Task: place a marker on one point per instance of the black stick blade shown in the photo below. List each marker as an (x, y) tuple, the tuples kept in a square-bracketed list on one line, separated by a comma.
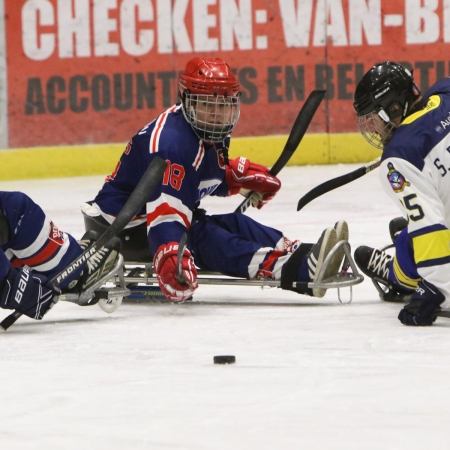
[(334, 183)]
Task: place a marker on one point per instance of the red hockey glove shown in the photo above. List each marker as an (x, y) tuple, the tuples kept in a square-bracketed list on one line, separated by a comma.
[(244, 176), (165, 263)]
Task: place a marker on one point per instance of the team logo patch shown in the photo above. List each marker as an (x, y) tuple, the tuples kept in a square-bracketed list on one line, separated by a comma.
[(56, 235), (396, 179)]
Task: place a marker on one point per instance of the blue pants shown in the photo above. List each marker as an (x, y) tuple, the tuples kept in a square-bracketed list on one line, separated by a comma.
[(227, 243), (403, 270)]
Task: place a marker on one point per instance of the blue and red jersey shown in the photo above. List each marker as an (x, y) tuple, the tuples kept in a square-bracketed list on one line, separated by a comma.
[(195, 169)]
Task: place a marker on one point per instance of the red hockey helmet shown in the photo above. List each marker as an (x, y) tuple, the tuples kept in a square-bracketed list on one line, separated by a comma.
[(209, 93)]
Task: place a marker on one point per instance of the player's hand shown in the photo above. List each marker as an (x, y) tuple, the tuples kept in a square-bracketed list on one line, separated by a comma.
[(28, 292), (258, 199), (166, 266), (421, 310), (243, 175)]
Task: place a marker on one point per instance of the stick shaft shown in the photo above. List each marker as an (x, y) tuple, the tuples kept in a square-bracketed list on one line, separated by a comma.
[(298, 130), (334, 183)]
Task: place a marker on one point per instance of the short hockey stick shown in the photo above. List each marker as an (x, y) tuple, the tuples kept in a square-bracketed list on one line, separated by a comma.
[(337, 182), (142, 191), (181, 247), (299, 128)]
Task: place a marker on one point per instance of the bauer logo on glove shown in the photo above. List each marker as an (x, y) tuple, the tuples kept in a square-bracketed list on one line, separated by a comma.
[(243, 176), (166, 268)]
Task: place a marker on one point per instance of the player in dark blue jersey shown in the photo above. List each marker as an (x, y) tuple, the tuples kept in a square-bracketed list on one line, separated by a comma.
[(193, 136), (414, 133), (32, 251)]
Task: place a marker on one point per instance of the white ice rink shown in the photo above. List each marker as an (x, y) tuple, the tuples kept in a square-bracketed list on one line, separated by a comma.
[(309, 373)]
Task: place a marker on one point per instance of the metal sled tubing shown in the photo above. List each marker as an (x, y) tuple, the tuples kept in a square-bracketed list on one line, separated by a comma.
[(214, 278)]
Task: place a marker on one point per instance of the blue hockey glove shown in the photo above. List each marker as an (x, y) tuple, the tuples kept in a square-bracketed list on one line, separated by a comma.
[(425, 302), (28, 292)]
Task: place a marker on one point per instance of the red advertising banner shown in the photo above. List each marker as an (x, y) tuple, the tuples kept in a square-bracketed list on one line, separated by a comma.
[(92, 71)]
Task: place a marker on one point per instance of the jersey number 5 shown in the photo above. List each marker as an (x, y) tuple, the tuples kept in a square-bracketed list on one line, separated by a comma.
[(410, 206), (173, 175)]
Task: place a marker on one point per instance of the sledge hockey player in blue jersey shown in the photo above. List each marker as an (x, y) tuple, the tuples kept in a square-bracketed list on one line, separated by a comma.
[(33, 250), (414, 133), (193, 137)]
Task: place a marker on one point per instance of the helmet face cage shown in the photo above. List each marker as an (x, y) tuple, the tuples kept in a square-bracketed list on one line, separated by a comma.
[(375, 130), (212, 117)]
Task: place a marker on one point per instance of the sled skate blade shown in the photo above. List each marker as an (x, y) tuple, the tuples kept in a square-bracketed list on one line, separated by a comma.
[(344, 278)]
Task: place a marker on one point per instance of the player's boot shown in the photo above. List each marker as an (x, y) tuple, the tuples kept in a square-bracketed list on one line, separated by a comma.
[(99, 267), (376, 264), (342, 234), (317, 256), (307, 262)]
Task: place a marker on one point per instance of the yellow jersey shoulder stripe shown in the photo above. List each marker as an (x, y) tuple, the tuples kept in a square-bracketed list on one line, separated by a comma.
[(433, 102), (432, 248)]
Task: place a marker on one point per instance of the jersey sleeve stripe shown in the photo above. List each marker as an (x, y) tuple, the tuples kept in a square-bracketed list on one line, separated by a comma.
[(48, 258), (47, 252), (402, 278), (167, 208), (37, 244), (432, 247), (199, 158), (434, 262), (427, 230), (157, 130), (165, 213)]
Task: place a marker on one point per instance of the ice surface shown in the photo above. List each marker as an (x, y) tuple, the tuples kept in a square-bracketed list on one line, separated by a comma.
[(309, 373)]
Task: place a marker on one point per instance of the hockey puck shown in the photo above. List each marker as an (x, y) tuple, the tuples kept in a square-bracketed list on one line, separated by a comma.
[(224, 359)]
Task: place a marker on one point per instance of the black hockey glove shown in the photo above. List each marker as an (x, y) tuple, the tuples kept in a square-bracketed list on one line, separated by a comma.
[(28, 292), (425, 302)]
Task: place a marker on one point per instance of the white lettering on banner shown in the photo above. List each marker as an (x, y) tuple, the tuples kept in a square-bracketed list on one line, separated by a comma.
[(103, 25), (329, 22), (236, 22), (422, 21), (171, 26), (202, 23), (37, 47), (135, 42), (446, 18), (296, 24), (365, 16), (73, 28), (82, 28)]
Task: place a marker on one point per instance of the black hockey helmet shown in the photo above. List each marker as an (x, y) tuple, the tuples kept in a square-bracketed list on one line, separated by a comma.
[(387, 87)]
